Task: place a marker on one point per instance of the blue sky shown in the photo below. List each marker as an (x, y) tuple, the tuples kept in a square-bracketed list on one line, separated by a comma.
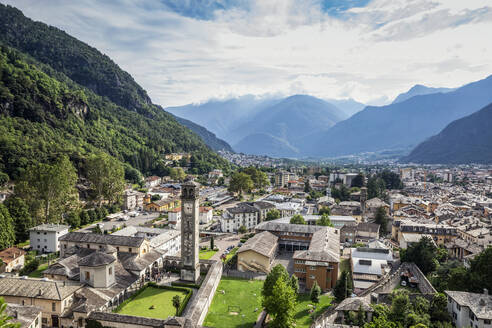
[(185, 51)]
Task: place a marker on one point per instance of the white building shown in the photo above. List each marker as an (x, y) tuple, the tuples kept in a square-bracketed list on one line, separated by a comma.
[(206, 214), (174, 218), (44, 238), (132, 200), (241, 215), (470, 309), (166, 241)]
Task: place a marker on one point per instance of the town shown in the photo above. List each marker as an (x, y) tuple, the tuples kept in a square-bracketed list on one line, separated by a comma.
[(330, 242)]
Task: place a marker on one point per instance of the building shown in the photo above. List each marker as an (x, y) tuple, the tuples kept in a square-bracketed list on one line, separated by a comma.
[(190, 235), (440, 233), (133, 245), (319, 263), (45, 237), (283, 177), (369, 265), (152, 181), (53, 298), (257, 253), (25, 315), (362, 232), (166, 241), (373, 205), (133, 200), (174, 217), (243, 214), (206, 214), (470, 309), (12, 259), (163, 205)]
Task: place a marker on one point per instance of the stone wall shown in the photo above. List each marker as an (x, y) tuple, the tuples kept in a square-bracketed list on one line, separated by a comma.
[(198, 308)]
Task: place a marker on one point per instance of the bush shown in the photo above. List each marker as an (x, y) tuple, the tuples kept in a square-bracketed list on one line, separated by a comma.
[(29, 267)]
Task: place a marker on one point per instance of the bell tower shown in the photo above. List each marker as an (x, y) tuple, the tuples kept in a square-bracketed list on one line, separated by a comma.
[(190, 238)]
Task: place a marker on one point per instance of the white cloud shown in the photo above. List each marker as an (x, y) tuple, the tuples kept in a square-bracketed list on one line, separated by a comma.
[(282, 46)]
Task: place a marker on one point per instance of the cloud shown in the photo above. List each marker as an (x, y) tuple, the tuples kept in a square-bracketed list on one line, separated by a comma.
[(185, 51)]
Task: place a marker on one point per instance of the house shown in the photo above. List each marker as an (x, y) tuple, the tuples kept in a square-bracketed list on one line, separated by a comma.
[(257, 253), (25, 315), (372, 206), (126, 244), (243, 214), (470, 309), (369, 265), (174, 217), (12, 258), (407, 239), (45, 237), (53, 298), (167, 241), (163, 205), (362, 232), (440, 233), (206, 214), (133, 200), (152, 181), (319, 263)]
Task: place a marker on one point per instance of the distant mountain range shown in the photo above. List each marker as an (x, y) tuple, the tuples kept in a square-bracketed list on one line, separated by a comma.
[(208, 137), (467, 140), (401, 125), (419, 90), (269, 126)]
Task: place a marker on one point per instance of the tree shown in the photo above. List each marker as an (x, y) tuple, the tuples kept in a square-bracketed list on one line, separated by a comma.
[(73, 219), (361, 317), (422, 253), (49, 190), (391, 179), (307, 186), (324, 210), (400, 307), (294, 283), (297, 219), (106, 177), (155, 197), (343, 287), (240, 182), (212, 242), (315, 292), (280, 305), (275, 274), (4, 179), (5, 319), (177, 174), (382, 219), (242, 229), (272, 214), (97, 229), (84, 218), (438, 308), (358, 181), (133, 175), (259, 178), (176, 303), (342, 193), (376, 187), (19, 212), (324, 221), (7, 233)]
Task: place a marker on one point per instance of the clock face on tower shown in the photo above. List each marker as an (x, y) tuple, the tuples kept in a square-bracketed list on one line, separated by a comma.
[(188, 208)]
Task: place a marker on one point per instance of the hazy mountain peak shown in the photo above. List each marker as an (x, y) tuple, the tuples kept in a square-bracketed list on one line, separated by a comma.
[(419, 90)]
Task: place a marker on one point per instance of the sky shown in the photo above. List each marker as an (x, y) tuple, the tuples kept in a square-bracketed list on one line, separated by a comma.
[(189, 51)]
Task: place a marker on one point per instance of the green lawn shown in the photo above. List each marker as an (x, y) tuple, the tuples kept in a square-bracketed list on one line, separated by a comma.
[(231, 254), (206, 254), (38, 273), (240, 295), (161, 299), (302, 316)]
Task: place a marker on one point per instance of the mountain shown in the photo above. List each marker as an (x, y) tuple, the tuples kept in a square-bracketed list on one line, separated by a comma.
[(223, 117), (264, 143), (274, 124), (347, 106), (398, 126), (208, 137), (464, 141), (419, 90), (59, 95)]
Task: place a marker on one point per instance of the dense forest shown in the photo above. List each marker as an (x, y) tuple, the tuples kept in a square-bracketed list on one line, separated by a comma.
[(61, 96)]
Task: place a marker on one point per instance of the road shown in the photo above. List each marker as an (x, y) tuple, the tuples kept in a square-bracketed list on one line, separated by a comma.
[(136, 221), (222, 245)]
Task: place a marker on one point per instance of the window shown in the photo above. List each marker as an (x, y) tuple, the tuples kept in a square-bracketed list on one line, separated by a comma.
[(458, 307), (80, 322), (53, 306), (65, 246), (117, 248), (312, 277), (39, 239), (88, 246), (312, 268), (44, 320), (110, 271), (130, 250), (23, 302), (87, 275), (486, 321)]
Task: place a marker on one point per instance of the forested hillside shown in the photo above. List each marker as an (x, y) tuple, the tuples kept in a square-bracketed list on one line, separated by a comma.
[(59, 95)]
